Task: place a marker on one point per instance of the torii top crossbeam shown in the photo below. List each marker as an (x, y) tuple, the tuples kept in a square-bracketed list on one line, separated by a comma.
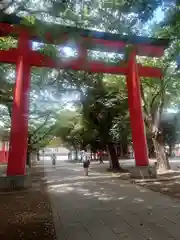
[(94, 40), (99, 40)]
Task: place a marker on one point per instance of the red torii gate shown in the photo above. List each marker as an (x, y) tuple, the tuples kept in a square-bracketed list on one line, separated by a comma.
[(24, 57)]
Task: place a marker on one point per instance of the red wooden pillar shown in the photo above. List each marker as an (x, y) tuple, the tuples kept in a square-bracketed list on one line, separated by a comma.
[(19, 122), (136, 113)]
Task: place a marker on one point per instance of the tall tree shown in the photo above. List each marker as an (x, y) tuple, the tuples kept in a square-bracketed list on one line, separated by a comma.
[(102, 103)]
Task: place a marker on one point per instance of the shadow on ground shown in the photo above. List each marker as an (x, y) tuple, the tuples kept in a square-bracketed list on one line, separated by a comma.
[(102, 206), (167, 183), (97, 186)]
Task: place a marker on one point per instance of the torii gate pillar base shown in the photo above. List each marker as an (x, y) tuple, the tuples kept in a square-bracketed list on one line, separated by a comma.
[(146, 172), (13, 183)]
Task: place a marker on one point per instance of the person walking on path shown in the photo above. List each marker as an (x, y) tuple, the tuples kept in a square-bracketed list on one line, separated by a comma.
[(100, 155), (86, 162), (53, 160)]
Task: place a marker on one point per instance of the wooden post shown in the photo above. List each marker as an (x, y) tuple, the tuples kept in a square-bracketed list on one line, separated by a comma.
[(19, 123), (136, 113)]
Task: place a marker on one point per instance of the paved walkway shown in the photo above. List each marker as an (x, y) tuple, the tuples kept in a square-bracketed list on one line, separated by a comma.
[(104, 207)]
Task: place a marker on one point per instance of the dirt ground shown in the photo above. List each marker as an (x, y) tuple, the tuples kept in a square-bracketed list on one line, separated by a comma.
[(167, 184), (27, 214)]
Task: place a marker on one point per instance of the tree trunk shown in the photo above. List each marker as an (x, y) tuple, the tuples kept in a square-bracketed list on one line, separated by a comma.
[(171, 148), (110, 161), (28, 159), (158, 143), (152, 153), (161, 156), (76, 156), (151, 149), (38, 156), (114, 159), (125, 150), (91, 155), (120, 150)]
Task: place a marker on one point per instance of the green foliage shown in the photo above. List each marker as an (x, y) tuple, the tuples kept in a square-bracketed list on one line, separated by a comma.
[(68, 128), (102, 105), (108, 15), (28, 21), (50, 51), (171, 24), (103, 113), (40, 136), (7, 42)]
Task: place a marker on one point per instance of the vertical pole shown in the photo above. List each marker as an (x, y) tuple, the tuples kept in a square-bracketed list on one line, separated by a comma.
[(136, 113), (83, 54), (3, 146), (19, 121), (3, 152)]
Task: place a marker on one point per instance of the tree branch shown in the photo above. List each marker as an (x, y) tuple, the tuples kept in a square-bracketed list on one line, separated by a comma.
[(43, 136), (41, 126), (9, 107), (41, 11), (160, 91), (144, 100)]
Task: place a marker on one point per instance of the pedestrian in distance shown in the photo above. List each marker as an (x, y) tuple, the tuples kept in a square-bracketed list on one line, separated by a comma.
[(53, 160), (86, 162), (100, 155)]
